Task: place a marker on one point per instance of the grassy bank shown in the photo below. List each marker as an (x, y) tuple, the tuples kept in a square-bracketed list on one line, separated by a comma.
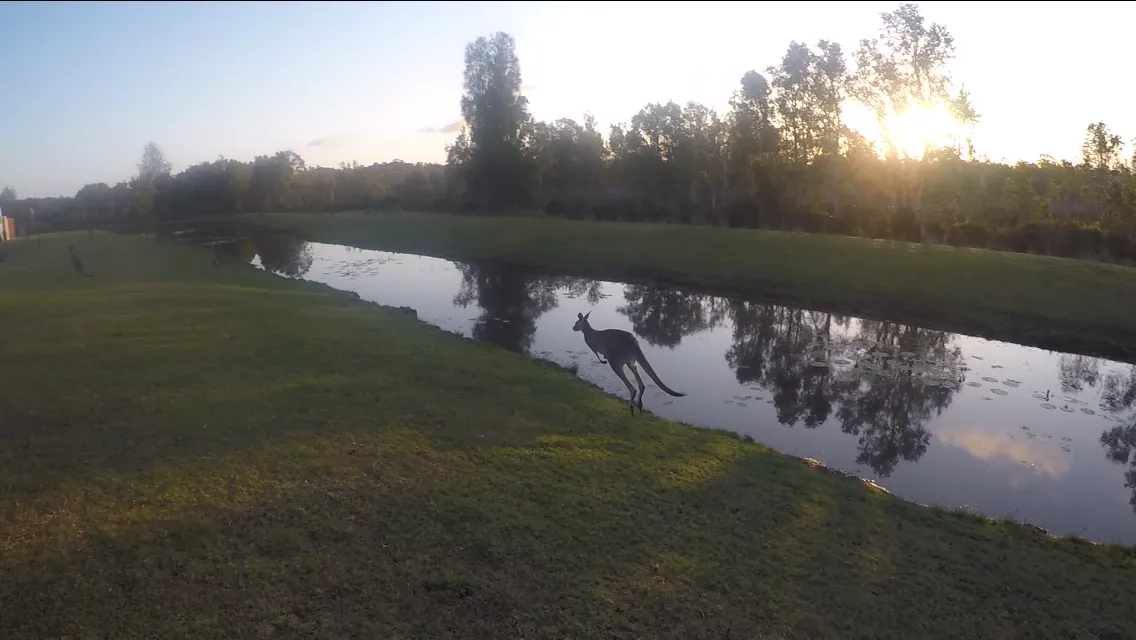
[(1068, 305), (191, 452)]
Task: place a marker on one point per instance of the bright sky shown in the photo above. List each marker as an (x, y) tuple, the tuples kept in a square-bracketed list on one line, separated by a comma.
[(86, 85)]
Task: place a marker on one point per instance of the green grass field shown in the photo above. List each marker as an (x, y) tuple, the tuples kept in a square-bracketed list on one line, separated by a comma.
[(189, 452), (1070, 305)]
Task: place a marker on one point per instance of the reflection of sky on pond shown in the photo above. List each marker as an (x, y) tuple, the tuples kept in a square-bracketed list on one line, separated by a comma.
[(998, 428)]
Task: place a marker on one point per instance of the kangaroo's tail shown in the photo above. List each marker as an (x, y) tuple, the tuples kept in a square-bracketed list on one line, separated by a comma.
[(651, 372)]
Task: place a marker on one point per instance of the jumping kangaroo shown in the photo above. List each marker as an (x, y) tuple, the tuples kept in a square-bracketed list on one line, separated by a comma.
[(621, 348), (77, 264)]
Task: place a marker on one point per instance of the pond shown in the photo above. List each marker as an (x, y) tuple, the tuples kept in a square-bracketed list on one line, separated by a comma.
[(940, 418)]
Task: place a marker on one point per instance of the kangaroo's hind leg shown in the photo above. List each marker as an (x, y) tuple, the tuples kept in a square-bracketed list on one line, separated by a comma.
[(622, 376), (642, 387)]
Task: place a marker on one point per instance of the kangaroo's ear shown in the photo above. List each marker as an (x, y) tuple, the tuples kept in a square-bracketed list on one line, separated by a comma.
[(580, 316), (587, 314)]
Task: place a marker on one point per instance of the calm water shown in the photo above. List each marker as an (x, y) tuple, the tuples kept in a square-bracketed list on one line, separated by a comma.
[(1006, 430)]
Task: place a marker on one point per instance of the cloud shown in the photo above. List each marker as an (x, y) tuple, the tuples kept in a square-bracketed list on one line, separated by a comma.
[(328, 142), (530, 88), (453, 127), (1040, 457)]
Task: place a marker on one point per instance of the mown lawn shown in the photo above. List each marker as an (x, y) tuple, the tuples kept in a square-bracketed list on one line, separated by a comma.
[(189, 452), (1070, 305)]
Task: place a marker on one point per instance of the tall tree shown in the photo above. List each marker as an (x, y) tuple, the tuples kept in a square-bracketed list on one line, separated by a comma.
[(752, 137), (1111, 194), (459, 159), (703, 141), (271, 180), (905, 69), (153, 163), (151, 169), (7, 195), (829, 87), (795, 84), (656, 165), (498, 119), (570, 157), (1101, 148)]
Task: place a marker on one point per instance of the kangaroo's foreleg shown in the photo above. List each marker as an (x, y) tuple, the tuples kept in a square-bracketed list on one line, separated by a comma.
[(602, 361), (619, 372), (642, 387)]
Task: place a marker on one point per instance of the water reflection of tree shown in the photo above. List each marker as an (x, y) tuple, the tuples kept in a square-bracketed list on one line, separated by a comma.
[(885, 382), (511, 301), (772, 347), (1119, 390), (240, 249), (663, 317), (888, 400), (1120, 447), (590, 290), (1077, 372), (283, 253)]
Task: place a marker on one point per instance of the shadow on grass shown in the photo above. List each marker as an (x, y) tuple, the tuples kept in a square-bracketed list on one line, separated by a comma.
[(687, 538)]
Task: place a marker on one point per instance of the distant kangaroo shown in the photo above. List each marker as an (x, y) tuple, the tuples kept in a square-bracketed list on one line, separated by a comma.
[(621, 348), (77, 264)]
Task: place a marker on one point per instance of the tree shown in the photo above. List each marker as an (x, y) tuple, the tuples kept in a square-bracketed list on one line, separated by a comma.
[(153, 163), (904, 69), (151, 168), (829, 88), (1101, 148), (459, 159), (654, 146), (271, 180), (8, 195), (796, 101), (1019, 195), (568, 156), (498, 119), (703, 149), (752, 138)]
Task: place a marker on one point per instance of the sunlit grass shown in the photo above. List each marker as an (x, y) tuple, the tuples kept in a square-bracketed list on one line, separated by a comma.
[(185, 452)]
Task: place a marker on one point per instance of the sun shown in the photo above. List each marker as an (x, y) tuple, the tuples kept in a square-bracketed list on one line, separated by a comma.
[(921, 129)]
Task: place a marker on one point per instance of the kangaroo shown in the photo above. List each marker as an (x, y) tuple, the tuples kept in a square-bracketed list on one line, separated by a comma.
[(77, 264), (621, 348)]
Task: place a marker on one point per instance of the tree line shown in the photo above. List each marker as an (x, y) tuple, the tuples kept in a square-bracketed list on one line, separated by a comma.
[(280, 182), (782, 157)]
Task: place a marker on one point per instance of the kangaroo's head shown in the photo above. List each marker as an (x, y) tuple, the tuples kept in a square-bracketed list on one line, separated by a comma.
[(581, 321)]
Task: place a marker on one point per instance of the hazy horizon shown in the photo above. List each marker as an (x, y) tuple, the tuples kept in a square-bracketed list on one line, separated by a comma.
[(89, 84)]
